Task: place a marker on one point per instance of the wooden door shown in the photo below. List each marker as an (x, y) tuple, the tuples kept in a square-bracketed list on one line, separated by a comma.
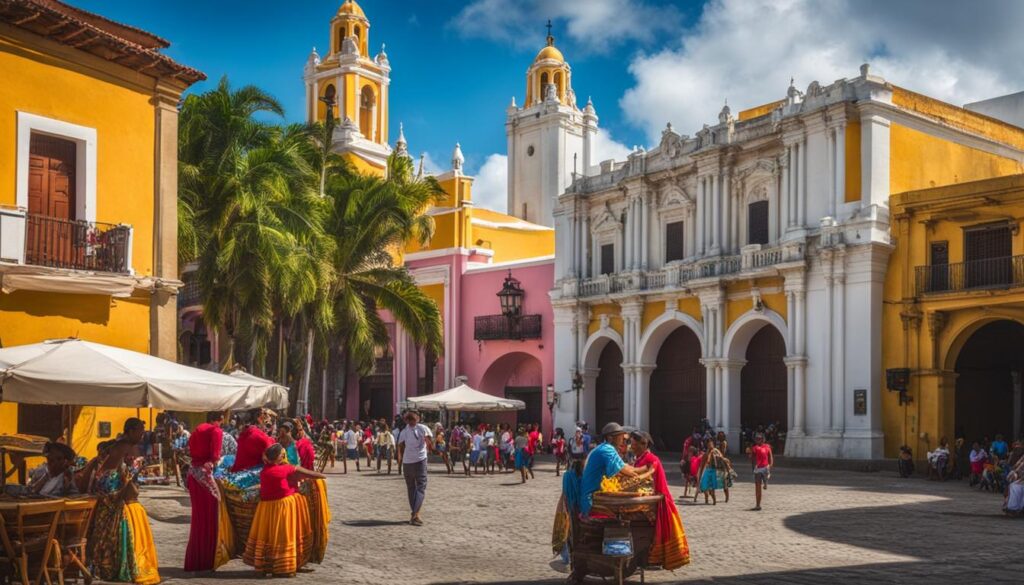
[(531, 395), (763, 381), (51, 201), (678, 390), (610, 388), (987, 255)]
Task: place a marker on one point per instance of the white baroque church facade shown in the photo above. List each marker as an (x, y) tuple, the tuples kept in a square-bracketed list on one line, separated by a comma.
[(736, 275)]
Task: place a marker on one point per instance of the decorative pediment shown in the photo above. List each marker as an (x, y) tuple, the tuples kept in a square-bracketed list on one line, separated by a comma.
[(761, 166), (758, 193), (605, 221), (673, 196)]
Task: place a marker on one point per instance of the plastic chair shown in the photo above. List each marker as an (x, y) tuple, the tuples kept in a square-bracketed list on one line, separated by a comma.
[(72, 534), (34, 535)]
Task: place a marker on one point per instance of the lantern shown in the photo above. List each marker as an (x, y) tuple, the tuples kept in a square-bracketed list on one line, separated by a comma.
[(511, 297)]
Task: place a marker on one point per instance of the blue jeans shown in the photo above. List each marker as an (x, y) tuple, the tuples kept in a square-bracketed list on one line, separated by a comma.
[(415, 483)]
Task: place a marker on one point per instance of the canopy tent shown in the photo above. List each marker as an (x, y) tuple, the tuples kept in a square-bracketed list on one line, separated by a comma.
[(82, 373), (465, 399)]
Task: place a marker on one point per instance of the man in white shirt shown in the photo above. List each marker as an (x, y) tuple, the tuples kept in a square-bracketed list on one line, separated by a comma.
[(53, 478), (351, 439), (413, 443)]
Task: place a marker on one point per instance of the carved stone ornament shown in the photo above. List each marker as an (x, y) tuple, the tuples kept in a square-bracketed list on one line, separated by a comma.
[(605, 221)]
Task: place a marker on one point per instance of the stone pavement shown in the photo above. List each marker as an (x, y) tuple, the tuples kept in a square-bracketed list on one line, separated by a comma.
[(817, 526)]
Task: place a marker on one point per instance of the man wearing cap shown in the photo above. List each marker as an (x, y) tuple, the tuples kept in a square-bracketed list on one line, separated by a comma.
[(605, 461)]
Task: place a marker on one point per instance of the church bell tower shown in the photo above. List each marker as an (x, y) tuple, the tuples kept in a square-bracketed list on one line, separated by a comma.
[(549, 137), (354, 87)]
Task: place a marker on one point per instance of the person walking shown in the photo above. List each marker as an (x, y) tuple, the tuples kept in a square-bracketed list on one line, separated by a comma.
[(762, 458), (414, 441)]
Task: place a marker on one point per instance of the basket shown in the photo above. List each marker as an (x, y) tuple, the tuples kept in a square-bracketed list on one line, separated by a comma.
[(240, 511), (627, 506)]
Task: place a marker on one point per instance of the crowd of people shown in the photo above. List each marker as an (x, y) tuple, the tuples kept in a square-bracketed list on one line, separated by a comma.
[(993, 466)]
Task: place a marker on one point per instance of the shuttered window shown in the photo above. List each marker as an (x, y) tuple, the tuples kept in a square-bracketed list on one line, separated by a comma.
[(757, 222), (674, 241), (987, 251), (607, 258)]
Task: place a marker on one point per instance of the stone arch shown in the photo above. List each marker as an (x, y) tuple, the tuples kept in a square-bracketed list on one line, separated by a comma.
[(743, 330), (368, 112), (661, 328), (672, 378), (591, 360), (958, 338), (518, 375)]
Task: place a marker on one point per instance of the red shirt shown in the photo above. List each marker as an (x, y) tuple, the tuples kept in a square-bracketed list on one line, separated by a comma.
[(204, 444), (531, 444), (559, 445), (307, 454), (274, 483), (252, 444), (761, 454)]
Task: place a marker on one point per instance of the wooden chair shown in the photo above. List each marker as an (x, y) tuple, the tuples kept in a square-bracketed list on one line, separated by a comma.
[(72, 534), (33, 535), (8, 558)]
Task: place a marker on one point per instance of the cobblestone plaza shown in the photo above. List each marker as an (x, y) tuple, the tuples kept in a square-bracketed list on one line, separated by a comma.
[(817, 526)]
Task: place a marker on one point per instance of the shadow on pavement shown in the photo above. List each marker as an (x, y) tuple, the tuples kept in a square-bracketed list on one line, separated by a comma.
[(179, 573), (373, 523)]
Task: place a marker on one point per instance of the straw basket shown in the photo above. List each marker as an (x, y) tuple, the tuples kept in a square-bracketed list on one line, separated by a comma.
[(240, 511)]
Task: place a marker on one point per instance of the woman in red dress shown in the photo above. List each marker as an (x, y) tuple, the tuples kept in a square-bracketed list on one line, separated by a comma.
[(204, 446), (670, 548), (252, 442), (304, 445)]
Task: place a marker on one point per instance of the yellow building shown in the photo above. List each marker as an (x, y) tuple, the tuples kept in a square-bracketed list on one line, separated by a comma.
[(954, 314), (88, 195)]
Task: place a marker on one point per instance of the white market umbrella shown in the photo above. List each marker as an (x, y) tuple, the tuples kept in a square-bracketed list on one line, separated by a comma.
[(82, 373), (466, 399)]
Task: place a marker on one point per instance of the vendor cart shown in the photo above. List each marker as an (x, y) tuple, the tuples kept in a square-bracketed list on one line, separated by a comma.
[(615, 539)]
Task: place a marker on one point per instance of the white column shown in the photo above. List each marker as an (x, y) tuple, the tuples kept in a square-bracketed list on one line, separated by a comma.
[(727, 215), (628, 258), (719, 420), (698, 219), (832, 166), (638, 232), (644, 395), (839, 365), (716, 212), (874, 156), (731, 390), (801, 193), (790, 180), (840, 167), (645, 232), (584, 238), (826, 366), (691, 231)]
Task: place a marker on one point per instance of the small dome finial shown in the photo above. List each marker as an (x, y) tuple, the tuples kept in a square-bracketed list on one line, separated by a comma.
[(457, 158)]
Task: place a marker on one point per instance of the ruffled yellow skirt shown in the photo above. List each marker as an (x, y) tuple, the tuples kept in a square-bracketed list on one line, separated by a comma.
[(319, 516), (225, 536), (281, 538), (144, 548)]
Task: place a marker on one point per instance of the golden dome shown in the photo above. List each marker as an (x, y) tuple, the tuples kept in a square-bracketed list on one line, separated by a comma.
[(550, 52), (350, 7)]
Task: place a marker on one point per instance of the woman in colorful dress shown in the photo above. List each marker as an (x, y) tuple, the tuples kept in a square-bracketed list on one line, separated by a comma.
[(441, 447), (281, 538), (710, 473), (205, 448), (304, 446), (120, 541), (522, 457), (559, 451), (670, 549)]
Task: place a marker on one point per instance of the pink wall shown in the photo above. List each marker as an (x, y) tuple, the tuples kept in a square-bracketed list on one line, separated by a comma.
[(490, 366)]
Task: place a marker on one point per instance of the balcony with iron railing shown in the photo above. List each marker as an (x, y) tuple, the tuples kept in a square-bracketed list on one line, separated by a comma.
[(495, 327), (39, 240), (76, 244), (751, 261), (1005, 272), (189, 295)]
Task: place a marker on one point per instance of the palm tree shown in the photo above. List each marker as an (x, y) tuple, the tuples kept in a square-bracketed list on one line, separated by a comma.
[(371, 219)]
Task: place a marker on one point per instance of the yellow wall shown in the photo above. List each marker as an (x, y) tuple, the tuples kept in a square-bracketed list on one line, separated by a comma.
[(958, 117), (920, 218), (651, 312), (94, 94), (691, 306), (362, 166), (124, 120), (510, 243), (610, 309), (852, 161), (757, 112), (918, 161)]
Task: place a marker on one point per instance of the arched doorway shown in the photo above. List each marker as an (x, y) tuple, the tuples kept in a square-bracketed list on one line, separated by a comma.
[(988, 384), (517, 375), (763, 382), (678, 389), (610, 387)]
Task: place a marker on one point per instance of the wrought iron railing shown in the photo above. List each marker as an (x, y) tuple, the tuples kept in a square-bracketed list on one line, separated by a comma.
[(76, 244), (492, 327), (189, 295), (990, 273)]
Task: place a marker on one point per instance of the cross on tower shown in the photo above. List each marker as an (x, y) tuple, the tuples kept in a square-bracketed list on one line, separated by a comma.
[(551, 39)]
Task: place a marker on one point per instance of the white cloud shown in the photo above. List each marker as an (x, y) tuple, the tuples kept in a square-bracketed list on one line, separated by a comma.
[(606, 147), (747, 50), (490, 187), (595, 25)]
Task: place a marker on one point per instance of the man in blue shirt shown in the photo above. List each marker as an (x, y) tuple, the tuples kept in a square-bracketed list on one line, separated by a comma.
[(605, 461)]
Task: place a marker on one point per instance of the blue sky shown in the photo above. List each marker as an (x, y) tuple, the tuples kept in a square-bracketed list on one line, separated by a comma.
[(448, 83), (456, 64)]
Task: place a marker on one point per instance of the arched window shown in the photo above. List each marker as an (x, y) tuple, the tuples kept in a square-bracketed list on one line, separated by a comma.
[(339, 38), (543, 80), (558, 84), (356, 32), (367, 105), (329, 95)]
